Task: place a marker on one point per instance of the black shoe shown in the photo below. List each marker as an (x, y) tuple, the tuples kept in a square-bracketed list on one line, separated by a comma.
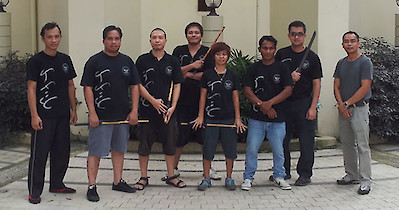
[(123, 187), (302, 181), (271, 178), (92, 194), (364, 189), (34, 199)]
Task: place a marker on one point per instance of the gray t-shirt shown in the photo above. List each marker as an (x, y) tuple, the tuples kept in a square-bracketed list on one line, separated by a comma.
[(351, 73)]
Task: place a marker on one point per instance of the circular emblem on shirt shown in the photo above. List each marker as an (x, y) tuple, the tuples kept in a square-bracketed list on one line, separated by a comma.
[(305, 64), (168, 70), (125, 70), (65, 67), (276, 78), (228, 84)]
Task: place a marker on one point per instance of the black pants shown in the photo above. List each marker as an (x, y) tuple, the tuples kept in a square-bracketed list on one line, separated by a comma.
[(305, 129), (53, 139)]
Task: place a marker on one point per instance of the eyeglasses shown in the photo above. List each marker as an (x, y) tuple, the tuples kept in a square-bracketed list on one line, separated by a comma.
[(347, 41), (299, 34)]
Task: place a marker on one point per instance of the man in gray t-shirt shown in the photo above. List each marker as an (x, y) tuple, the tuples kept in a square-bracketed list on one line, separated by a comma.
[(352, 89)]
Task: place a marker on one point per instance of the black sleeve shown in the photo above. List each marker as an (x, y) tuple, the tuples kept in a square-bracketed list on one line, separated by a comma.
[(236, 81), (134, 76), (177, 74), (286, 76), (32, 69), (72, 72), (88, 73), (317, 71), (204, 79), (139, 67)]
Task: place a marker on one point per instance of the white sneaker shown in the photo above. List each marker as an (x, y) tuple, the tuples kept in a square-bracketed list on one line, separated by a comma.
[(246, 185), (282, 184), (175, 172), (214, 175)]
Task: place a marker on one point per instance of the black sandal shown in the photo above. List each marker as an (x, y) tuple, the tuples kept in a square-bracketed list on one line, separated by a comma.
[(168, 181), (139, 183)]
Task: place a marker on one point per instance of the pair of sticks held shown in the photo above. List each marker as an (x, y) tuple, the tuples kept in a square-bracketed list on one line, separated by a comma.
[(147, 121)]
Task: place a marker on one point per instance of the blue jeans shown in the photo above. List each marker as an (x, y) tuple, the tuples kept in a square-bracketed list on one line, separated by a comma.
[(275, 133)]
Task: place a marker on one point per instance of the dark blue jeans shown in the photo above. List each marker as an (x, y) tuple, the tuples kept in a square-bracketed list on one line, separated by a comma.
[(305, 129)]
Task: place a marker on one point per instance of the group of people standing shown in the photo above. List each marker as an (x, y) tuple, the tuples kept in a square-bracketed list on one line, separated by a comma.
[(190, 96)]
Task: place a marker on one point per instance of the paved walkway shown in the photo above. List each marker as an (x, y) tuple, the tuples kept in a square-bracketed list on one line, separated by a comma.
[(322, 193)]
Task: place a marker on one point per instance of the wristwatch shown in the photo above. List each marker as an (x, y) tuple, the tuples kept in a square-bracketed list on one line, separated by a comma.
[(346, 104)]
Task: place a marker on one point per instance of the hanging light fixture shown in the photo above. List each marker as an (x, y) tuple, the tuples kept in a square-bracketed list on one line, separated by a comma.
[(213, 4)]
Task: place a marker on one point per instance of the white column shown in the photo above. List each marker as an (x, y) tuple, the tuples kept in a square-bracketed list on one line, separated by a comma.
[(5, 33), (332, 23), (212, 26)]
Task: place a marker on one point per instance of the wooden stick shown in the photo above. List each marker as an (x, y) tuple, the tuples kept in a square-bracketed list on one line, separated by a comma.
[(169, 100), (113, 123), (214, 125), (209, 50)]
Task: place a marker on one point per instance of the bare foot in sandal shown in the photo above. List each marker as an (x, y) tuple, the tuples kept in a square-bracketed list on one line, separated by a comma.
[(141, 184), (174, 181)]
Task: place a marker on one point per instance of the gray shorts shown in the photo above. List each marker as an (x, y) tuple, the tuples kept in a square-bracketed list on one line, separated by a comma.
[(104, 138)]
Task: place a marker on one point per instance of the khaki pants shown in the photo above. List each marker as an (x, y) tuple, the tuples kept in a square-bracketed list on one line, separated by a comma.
[(354, 135)]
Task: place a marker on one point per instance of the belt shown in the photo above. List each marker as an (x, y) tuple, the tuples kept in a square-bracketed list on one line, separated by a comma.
[(360, 103)]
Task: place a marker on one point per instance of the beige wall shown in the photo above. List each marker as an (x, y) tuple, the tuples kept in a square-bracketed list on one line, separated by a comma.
[(283, 12), (371, 18), (23, 26), (330, 51)]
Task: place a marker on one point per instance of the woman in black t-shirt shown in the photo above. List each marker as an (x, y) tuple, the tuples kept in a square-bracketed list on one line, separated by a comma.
[(219, 105)]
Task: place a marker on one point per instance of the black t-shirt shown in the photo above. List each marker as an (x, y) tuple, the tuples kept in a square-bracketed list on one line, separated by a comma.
[(266, 82), (110, 77), (219, 99), (311, 70), (190, 90), (156, 77), (52, 74)]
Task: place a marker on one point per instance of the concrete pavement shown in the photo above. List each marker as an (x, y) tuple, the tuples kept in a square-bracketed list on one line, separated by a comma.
[(322, 193)]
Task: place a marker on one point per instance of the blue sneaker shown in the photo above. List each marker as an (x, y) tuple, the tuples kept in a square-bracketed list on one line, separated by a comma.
[(204, 185), (229, 184)]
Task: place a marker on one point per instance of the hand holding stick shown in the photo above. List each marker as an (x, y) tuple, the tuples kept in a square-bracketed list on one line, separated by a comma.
[(305, 55)]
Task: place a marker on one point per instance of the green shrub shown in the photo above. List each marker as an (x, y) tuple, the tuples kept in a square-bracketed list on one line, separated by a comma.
[(14, 112), (239, 63), (384, 104)]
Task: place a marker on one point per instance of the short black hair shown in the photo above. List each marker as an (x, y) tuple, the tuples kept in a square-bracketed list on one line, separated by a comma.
[(158, 29), (111, 28), (350, 32), (267, 38), (297, 23), (49, 26), (194, 24), (220, 46)]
